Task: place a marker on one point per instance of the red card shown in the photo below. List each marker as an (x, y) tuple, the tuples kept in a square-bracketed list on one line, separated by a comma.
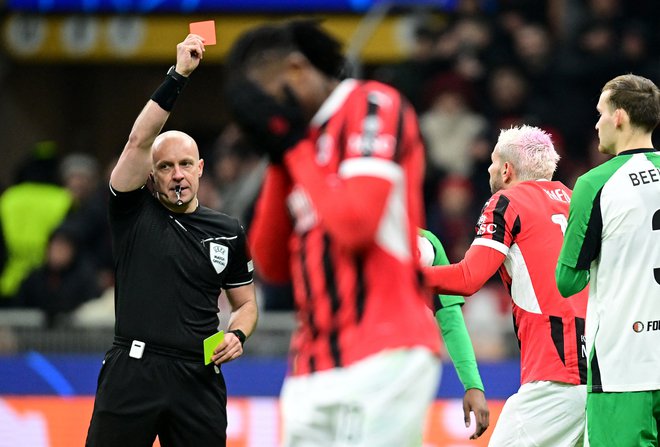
[(205, 29)]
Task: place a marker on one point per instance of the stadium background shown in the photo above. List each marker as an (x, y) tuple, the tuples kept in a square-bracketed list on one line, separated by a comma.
[(75, 73)]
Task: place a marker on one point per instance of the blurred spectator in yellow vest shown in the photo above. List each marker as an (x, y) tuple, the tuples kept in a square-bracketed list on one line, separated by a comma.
[(29, 212)]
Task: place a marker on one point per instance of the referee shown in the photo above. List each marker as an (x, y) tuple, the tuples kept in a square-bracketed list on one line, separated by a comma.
[(172, 258)]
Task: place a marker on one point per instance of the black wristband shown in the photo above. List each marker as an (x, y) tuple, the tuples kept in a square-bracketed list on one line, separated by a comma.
[(240, 335), (166, 94)]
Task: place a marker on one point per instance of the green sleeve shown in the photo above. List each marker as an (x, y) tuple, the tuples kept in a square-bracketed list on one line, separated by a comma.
[(459, 346), (452, 326), (570, 280), (582, 237), (441, 259)]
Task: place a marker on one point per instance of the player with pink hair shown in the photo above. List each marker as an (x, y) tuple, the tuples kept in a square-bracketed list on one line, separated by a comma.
[(520, 233)]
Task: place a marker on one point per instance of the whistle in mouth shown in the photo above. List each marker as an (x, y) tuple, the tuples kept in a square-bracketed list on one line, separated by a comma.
[(177, 191)]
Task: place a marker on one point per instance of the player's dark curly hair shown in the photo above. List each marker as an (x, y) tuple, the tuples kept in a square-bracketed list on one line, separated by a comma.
[(274, 41)]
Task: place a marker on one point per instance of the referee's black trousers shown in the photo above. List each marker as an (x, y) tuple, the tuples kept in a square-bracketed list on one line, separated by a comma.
[(179, 400)]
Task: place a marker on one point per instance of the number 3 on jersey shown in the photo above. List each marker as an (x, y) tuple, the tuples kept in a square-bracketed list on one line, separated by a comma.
[(655, 225)]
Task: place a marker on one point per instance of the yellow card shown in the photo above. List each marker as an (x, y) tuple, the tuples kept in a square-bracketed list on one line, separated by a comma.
[(210, 344)]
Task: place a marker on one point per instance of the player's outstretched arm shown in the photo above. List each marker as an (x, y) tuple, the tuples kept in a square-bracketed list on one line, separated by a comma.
[(134, 164), (469, 275)]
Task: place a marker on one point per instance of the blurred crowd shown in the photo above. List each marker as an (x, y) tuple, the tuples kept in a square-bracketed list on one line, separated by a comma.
[(537, 62)]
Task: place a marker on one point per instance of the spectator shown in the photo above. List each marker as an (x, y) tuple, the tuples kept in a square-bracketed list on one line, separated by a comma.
[(29, 212), (80, 175), (451, 215), (450, 126), (238, 172), (425, 57), (65, 281), (536, 57), (636, 50), (474, 37), (88, 218), (508, 101), (587, 62)]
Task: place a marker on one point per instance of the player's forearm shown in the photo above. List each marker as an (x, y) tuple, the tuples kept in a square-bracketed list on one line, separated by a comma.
[(570, 280), (244, 317), (271, 227), (469, 275), (459, 346), (350, 209)]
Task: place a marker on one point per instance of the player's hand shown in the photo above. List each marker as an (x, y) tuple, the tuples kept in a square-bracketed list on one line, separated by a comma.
[(188, 54), (273, 126), (230, 349), (474, 401)]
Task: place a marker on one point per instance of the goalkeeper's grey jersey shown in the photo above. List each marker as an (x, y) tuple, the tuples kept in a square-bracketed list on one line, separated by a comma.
[(614, 230)]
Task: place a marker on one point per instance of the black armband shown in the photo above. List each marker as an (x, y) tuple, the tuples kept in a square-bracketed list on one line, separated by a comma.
[(166, 94), (240, 335)]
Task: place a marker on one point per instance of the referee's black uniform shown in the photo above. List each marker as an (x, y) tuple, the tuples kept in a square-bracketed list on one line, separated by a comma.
[(170, 268)]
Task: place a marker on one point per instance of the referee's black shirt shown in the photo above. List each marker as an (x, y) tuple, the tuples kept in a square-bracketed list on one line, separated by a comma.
[(170, 267)]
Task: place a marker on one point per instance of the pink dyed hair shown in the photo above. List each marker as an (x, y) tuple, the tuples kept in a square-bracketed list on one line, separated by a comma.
[(530, 150)]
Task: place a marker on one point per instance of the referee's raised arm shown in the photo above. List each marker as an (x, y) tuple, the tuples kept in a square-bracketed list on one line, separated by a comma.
[(134, 164)]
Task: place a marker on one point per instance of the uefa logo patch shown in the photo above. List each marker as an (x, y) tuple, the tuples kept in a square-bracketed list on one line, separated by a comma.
[(638, 326), (219, 255)]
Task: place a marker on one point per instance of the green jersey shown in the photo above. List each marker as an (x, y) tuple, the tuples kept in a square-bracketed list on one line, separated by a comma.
[(614, 233), (449, 316)]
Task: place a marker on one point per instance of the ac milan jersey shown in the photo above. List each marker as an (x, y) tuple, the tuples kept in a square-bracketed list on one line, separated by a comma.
[(355, 303), (526, 223)]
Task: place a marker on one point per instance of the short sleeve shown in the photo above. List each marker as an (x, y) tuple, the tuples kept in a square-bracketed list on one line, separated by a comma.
[(498, 224), (585, 225), (240, 268), (123, 203)]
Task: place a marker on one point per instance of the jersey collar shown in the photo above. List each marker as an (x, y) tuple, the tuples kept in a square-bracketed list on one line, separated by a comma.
[(636, 151), (334, 101)]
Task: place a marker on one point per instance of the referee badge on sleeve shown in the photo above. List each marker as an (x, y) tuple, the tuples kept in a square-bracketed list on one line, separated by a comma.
[(219, 255)]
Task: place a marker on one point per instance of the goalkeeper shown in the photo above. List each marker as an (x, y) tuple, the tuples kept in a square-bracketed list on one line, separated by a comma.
[(449, 316)]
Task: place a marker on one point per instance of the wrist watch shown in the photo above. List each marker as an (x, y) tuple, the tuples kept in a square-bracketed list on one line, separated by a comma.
[(240, 335), (181, 79)]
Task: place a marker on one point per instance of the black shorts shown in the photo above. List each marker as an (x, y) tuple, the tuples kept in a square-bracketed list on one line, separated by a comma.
[(182, 402)]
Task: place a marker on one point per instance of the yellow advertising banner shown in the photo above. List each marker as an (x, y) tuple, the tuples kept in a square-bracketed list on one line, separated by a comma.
[(125, 38)]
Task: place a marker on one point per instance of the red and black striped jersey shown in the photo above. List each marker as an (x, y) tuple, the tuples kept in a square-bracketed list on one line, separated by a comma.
[(526, 223), (356, 204)]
